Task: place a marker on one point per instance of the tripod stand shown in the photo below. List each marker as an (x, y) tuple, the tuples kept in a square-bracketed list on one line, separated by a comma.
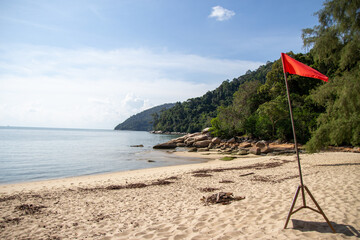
[(301, 187)]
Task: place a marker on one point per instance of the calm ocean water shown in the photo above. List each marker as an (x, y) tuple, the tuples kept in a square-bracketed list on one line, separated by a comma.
[(29, 154)]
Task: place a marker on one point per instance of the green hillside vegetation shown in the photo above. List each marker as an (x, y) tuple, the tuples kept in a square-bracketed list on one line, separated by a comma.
[(196, 113), (255, 104), (142, 121)]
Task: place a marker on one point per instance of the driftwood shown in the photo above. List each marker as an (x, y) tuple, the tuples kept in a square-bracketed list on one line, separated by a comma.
[(246, 174)]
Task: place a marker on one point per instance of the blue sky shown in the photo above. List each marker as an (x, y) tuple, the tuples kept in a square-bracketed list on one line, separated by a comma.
[(92, 64)]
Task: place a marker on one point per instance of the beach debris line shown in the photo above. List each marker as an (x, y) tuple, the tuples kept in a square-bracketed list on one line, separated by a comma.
[(257, 166), (221, 197), (10, 221), (208, 189), (202, 175), (246, 174), (226, 181), (30, 209)]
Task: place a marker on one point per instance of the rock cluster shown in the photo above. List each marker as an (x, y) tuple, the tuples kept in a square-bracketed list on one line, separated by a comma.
[(203, 141), (167, 133)]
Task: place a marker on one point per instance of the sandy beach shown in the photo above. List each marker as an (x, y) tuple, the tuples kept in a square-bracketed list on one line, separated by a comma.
[(165, 203)]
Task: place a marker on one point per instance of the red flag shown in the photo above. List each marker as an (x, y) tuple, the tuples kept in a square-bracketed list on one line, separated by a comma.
[(292, 66)]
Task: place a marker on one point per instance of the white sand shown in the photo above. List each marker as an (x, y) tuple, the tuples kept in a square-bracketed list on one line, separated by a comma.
[(175, 211)]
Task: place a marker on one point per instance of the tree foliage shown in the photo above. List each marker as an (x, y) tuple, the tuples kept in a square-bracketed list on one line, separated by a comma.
[(336, 47), (262, 111)]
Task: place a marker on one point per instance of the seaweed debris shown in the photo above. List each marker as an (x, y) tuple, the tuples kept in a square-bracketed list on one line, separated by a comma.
[(30, 209), (224, 198)]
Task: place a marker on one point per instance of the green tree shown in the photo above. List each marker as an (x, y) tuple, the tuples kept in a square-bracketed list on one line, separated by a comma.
[(231, 120), (336, 49), (273, 112)]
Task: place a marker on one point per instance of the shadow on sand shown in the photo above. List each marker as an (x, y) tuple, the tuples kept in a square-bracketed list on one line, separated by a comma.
[(323, 227)]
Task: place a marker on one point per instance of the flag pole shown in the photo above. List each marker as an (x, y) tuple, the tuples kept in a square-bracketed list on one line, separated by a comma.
[(302, 186), (295, 141)]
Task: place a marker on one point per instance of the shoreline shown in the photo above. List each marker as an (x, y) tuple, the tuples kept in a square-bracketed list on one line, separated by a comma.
[(165, 202), (9, 188), (162, 154)]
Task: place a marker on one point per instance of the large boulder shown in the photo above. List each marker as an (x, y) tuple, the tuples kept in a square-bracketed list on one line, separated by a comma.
[(202, 144), (243, 152), (167, 145), (179, 139), (201, 137), (206, 130), (244, 145), (189, 141), (266, 150), (255, 150), (216, 140), (194, 134), (260, 144), (192, 150)]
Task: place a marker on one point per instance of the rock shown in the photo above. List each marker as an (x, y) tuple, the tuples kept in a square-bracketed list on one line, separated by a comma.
[(243, 152), (190, 144), (255, 150), (201, 137), (151, 161), (179, 140), (244, 145), (192, 150), (202, 149), (231, 140), (216, 140), (202, 144), (181, 145), (356, 149), (206, 130), (137, 145), (227, 150), (260, 144), (167, 145), (194, 134), (189, 140), (267, 149)]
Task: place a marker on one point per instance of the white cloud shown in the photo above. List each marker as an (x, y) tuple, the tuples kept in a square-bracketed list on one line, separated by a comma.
[(221, 14), (90, 88)]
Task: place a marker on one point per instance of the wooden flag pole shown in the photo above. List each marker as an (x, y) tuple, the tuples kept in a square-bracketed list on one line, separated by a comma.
[(301, 186)]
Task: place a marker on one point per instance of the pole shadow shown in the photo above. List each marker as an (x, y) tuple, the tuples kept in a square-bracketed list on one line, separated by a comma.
[(323, 227)]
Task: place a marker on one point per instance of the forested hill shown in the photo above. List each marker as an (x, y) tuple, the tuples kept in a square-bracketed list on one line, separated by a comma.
[(143, 120), (196, 113)]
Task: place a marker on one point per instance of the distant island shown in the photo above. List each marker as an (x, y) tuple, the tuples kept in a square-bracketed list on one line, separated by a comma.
[(143, 121)]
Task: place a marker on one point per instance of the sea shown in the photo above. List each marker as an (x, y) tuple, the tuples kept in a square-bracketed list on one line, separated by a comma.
[(33, 154)]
